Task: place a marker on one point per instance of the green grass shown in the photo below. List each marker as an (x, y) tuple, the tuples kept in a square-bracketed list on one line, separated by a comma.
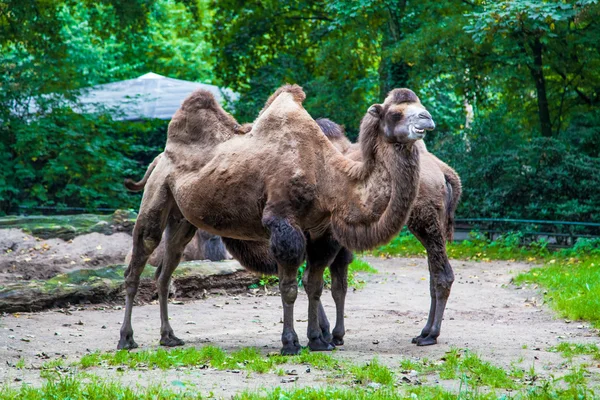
[(474, 378), (569, 350), (572, 286), (372, 372), (77, 387), (478, 371), (248, 358)]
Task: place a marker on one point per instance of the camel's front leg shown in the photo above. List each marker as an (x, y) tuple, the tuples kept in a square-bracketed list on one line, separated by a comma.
[(288, 247), (178, 234)]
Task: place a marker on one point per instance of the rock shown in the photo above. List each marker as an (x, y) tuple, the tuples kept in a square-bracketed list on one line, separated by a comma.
[(106, 284), (102, 227), (124, 220)]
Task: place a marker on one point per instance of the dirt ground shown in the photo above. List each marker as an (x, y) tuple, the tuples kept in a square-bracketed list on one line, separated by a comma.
[(487, 314), (23, 256)]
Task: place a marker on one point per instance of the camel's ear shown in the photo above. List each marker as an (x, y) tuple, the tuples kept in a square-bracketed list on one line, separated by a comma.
[(376, 110)]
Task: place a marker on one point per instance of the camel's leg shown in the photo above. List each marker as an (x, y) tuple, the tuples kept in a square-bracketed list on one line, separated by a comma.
[(178, 234), (146, 237), (288, 247), (339, 288), (441, 278), (323, 321), (320, 254)]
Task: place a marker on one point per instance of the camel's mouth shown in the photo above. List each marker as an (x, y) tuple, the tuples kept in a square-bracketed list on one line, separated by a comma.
[(416, 133)]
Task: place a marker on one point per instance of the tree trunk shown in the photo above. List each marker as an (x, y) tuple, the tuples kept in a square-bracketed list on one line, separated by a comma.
[(540, 85)]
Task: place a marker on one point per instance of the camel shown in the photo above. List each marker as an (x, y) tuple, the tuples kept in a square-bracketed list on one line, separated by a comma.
[(276, 195), (431, 221)]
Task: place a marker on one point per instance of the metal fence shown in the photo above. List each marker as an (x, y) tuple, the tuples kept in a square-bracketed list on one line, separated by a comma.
[(563, 233)]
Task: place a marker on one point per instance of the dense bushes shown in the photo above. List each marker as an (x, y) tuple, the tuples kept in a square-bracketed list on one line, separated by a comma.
[(69, 159), (506, 175)]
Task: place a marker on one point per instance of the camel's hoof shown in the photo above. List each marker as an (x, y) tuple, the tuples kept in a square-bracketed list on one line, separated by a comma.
[(291, 349), (338, 341), (327, 336), (426, 341), (416, 339), (127, 343), (171, 341), (320, 344)]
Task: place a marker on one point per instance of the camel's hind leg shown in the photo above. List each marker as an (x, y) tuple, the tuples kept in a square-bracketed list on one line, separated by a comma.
[(146, 237), (441, 278), (178, 234), (339, 288), (320, 254)]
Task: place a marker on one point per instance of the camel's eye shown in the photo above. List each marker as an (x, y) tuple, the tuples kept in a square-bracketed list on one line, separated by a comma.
[(395, 116)]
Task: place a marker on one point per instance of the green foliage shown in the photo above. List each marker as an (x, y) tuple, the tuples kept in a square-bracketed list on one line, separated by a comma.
[(53, 156), (527, 69)]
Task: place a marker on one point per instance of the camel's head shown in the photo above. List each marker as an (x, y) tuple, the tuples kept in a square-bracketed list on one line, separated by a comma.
[(403, 119)]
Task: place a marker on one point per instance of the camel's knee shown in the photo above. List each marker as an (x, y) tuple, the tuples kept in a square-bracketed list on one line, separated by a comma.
[(288, 293), (288, 243), (443, 280)]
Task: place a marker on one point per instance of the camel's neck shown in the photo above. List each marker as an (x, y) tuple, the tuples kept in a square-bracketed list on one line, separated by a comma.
[(363, 222)]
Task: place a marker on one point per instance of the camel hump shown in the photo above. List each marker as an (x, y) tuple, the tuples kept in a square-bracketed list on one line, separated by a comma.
[(200, 99), (398, 96), (330, 128), (295, 90)]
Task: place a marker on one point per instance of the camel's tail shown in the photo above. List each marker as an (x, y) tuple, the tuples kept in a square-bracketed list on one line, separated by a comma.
[(134, 186), (453, 197)]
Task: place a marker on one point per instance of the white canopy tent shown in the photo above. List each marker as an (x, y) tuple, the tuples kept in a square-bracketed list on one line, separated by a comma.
[(148, 96)]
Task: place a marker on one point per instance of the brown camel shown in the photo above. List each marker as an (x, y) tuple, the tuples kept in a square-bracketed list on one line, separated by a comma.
[(282, 184), (431, 221)]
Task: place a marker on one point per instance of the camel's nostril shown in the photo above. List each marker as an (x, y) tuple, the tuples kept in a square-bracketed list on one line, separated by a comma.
[(425, 115)]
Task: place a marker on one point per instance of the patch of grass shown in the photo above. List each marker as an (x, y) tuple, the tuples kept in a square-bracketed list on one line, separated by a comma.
[(75, 388), (411, 365), (248, 358), (20, 364), (90, 360), (573, 286), (568, 350), (478, 372), (57, 362), (372, 372), (477, 248)]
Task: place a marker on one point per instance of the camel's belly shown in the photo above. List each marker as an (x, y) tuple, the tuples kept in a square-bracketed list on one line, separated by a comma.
[(229, 208)]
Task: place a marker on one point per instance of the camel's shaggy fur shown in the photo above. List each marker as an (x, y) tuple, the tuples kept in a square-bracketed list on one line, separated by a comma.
[(277, 195), (431, 221)]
